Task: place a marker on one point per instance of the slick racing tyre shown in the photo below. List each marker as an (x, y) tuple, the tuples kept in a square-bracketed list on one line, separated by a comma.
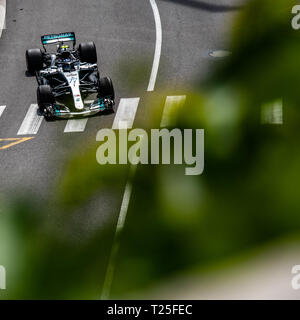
[(34, 60), (45, 101), (88, 52), (106, 88), (44, 95)]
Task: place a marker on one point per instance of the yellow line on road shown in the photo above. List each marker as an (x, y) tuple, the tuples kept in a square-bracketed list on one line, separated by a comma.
[(15, 141)]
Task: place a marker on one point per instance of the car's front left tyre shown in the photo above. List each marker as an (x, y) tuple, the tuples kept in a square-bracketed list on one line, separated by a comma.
[(34, 60), (45, 99)]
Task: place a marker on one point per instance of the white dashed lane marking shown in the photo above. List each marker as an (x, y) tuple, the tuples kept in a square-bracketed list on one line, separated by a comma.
[(31, 122), (172, 104), (76, 125), (126, 113), (272, 113), (124, 117), (2, 15), (2, 108)]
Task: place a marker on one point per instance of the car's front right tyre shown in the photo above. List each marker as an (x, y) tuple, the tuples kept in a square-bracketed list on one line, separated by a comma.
[(87, 52), (106, 88)]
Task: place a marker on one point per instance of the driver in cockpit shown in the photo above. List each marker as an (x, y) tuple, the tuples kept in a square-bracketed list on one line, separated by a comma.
[(66, 57)]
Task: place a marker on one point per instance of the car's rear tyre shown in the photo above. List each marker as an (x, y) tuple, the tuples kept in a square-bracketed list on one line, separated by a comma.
[(34, 60), (106, 88), (88, 52)]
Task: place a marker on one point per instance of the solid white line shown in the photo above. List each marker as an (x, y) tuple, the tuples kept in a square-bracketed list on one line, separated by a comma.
[(124, 205), (158, 46), (128, 189), (126, 113), (31, 122), (116, 243), (123, 120), (2, 108), (2, 15), (172, 104), (77, 125)]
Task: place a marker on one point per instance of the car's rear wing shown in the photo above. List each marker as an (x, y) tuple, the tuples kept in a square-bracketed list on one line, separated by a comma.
[(59, 37)]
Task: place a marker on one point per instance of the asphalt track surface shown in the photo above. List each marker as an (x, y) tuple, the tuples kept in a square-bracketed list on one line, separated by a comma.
[(125, 34)]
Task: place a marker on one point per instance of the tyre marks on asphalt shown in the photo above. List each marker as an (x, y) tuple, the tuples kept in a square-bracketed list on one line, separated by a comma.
[(126, 113), (76, 125), (31, 122)]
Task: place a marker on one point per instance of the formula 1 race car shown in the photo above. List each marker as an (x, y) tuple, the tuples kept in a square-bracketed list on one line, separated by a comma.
[(69, 84)]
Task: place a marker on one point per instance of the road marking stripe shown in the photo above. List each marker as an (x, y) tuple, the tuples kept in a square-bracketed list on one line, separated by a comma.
[(158, 46), (2, 108), (116, 243), (77, 125), (272, 113), (128, 189), (31, 122), (123, 119), (126, 113), (15, 142), (2, 15), (172, 104)]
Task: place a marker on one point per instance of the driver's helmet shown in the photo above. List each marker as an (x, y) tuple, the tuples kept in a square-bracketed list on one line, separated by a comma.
[(65, 53)]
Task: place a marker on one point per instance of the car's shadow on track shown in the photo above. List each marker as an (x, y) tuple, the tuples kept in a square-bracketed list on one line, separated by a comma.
[(103, 113), (202, 5), (29, 75)]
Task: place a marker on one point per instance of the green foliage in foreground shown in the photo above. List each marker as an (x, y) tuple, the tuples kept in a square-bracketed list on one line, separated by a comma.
[(247, 196)]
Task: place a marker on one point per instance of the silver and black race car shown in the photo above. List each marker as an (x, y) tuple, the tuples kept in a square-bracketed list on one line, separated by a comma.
[(69, 84)]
